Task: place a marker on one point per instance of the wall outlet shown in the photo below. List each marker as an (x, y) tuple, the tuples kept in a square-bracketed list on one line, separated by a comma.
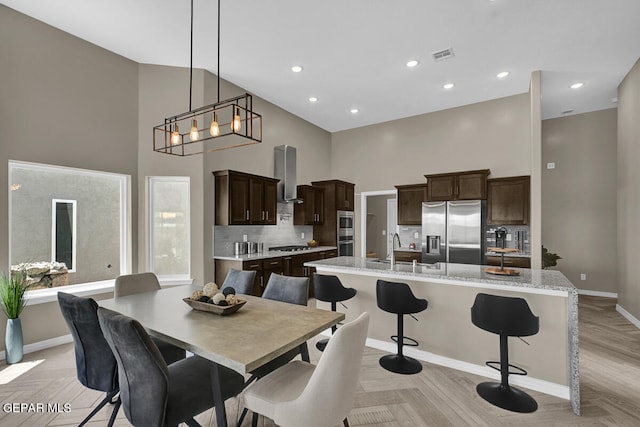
[(551, 165), (244, 238), (583, 276), (384, 232), (508, 237), (416, 235), (302, 235)]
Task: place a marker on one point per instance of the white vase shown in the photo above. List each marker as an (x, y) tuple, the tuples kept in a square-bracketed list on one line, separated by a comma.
[(13, 347)]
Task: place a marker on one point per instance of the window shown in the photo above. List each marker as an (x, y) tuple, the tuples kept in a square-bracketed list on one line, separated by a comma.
[(169, 226), (63, 232), (76, 216)]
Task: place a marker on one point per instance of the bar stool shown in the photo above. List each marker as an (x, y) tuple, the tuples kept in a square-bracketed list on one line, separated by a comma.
[(508, 317), (397, 298), (329, 289)]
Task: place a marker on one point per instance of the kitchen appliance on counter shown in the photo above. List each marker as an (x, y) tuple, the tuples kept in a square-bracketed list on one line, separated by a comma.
[(345, 240), (239, 248), (452, 232), (501, 237)]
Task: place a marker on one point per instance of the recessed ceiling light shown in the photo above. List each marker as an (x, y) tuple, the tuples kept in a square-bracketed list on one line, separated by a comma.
[(313, 99), (412, 63), (502, 74), (354, 111), (577, 85), (296, 68), (448, 86)]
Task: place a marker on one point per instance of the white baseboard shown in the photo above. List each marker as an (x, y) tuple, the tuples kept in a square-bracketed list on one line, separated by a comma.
[(597, 293), (42, 345), (547, 387), (630, 317)]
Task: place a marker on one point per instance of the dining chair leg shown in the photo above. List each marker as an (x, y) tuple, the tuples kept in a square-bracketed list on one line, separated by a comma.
[(116, 407), (346, 422), (304, 351), (254, 420), (192, 423), (104, 401)]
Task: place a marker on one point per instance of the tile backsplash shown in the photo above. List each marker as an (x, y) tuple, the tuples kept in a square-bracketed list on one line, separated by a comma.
[(283, 233)]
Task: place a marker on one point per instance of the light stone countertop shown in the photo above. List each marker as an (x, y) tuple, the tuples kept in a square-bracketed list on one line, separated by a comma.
[(541, 280), (271, 254)]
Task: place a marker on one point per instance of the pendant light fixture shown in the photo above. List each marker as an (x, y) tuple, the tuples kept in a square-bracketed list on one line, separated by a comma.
[(232, 122)]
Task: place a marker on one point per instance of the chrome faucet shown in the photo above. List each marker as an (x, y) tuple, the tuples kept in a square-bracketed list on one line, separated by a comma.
[(393, 248)]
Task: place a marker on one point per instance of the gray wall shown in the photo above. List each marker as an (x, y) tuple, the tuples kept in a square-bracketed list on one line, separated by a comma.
[(64, 102), (579, 197), (628, 183)]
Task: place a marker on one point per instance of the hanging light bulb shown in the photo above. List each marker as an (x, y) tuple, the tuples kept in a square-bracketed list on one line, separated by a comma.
[(214, 130), (175, 136), (236, 123), (194, 135)]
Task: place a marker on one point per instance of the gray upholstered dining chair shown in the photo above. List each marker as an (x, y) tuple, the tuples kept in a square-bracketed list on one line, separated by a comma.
[(301, 394), (131, 284), (240, 280), (96, 367), (153, 393)]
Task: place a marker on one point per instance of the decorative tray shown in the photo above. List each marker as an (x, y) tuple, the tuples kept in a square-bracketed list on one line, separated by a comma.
[(212, 308), (503, 271)]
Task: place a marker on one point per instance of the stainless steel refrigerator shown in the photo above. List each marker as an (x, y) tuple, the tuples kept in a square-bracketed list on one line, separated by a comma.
[(453, 231)]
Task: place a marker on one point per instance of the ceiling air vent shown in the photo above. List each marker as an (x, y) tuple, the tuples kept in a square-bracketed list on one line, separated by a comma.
[(441, 55)]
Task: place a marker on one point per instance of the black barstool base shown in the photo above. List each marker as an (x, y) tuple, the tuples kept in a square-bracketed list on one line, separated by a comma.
[(400, 364), (507, 397), (322, 344)]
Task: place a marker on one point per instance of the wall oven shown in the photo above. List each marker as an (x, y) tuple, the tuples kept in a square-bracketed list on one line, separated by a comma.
[(345, 237)]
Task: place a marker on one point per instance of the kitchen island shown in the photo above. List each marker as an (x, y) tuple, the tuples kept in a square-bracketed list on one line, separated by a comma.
[(445, 333)]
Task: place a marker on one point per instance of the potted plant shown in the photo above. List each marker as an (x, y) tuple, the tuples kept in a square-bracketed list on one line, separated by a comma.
[(549, 259), (12, 294)]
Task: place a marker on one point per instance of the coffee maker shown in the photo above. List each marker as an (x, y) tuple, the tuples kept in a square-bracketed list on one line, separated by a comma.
[(501, 237)]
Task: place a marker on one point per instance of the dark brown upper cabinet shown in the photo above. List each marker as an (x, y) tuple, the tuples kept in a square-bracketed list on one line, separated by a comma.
[(243, 198), (311, 210), (508, 200), (469, 185), (338, 195), (410, 198)]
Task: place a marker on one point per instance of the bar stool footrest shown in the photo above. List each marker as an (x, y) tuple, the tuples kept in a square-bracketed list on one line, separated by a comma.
[(518, 370), (411, 343)]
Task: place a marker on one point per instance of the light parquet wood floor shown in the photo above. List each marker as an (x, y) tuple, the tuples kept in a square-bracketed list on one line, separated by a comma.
[(438, 396)]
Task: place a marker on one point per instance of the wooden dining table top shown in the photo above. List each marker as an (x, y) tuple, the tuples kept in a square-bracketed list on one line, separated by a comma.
[(243, 341)]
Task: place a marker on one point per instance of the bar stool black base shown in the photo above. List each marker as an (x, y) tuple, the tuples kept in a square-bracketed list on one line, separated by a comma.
[(322, 344), (400, 364), (507, 397)]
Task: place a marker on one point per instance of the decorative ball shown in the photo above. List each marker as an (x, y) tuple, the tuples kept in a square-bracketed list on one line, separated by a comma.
[(228, 291), (223, 303), (203, 298), (196, 295), (210, 289), (232, 299), (217, 298)]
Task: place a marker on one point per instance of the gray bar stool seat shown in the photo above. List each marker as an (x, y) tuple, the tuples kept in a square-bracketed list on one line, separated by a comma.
[(507, 317), (328, 288), (397, 298)]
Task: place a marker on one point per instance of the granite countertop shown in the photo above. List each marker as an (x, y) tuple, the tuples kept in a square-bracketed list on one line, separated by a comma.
[(548, 280), (271, 254)]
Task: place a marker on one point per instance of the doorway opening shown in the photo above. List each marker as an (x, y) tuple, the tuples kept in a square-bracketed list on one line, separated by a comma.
[(378, 223)]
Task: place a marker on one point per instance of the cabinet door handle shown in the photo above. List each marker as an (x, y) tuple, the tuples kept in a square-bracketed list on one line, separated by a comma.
[(247, 215), (267, 212), (261, 281)]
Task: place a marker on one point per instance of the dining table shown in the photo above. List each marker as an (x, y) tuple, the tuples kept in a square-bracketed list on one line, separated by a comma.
[(257, 333)]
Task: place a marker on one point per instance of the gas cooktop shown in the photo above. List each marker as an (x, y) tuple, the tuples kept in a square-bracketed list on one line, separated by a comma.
[(289, 248)]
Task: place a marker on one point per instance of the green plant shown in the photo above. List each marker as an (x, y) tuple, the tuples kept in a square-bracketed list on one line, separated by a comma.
[(12, 294), (549, 259)]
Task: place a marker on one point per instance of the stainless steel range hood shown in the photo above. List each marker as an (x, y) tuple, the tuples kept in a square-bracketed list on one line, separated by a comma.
[(285, 171)]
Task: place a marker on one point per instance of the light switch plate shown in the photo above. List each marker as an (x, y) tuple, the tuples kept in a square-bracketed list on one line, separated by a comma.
[(583, 276), (302, 235), (551, 165), (416, 235)]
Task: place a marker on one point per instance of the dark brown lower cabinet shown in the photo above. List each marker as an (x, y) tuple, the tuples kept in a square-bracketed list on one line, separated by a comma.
[(290, 265), (408, 256), (510, 261)]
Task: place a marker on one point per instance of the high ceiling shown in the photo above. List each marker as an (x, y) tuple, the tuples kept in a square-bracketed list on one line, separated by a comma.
[(353, 52)]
